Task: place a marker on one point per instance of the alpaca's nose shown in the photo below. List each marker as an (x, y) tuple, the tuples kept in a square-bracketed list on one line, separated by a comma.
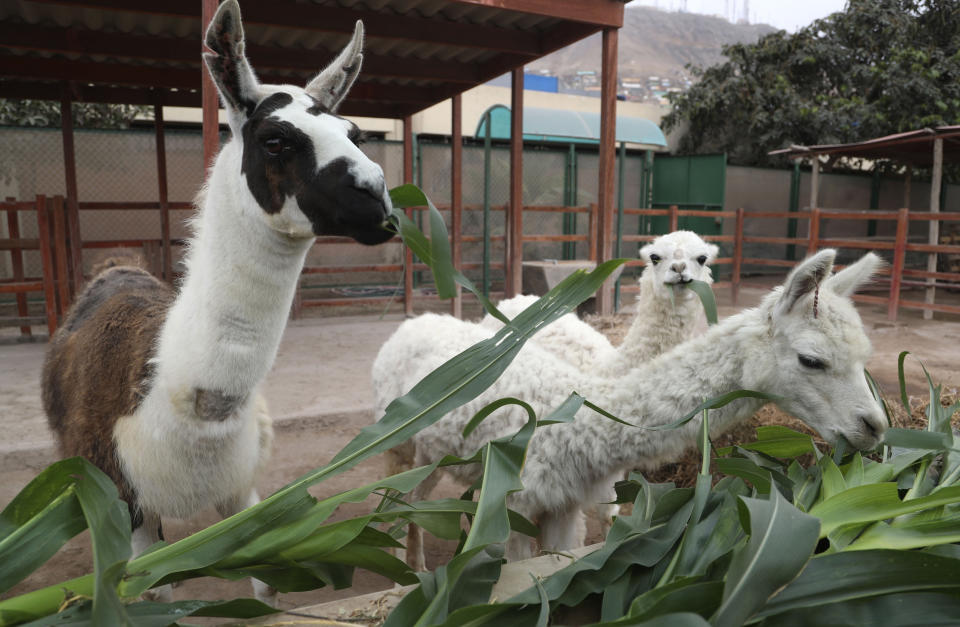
[(679, 266)]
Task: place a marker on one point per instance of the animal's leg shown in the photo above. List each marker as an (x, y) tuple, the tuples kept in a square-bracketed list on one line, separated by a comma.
[(262, 591), (143, 537), (561, 531), (518, 547), (414, 553)]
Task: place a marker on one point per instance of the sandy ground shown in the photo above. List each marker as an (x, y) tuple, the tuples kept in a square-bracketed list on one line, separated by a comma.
[(320, 394)]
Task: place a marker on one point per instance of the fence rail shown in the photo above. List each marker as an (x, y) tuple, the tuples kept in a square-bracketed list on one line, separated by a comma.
[(61, 274)]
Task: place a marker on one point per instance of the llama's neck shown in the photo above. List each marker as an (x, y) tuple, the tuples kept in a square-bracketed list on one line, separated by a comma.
[(222, 333), (659, 325), (729, 357)]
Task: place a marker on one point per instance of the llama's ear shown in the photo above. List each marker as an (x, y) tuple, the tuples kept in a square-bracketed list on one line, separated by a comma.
[(227, 64), (645, 253), (848, 280), (331, 85), (805, 278), (714, 250)]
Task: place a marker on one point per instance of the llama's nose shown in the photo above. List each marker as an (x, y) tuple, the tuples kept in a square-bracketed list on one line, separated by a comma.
[(679, 267), (874, 425)]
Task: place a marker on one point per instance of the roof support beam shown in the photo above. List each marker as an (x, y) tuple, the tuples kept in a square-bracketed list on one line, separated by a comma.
[(934, 233), (605, 196), (514, 266), (456, 195)]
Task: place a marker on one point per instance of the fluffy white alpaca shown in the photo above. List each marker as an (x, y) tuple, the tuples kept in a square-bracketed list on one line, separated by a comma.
[(667, 313), (804, 343)]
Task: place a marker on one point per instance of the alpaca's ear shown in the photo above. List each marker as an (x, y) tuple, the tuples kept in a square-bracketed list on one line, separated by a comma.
[(227, 64), (331, 85), (645, 253), (851, 278), (805, 278)]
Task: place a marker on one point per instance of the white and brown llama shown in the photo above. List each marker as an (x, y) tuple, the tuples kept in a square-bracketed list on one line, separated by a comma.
[(804, 344), (161, 389)]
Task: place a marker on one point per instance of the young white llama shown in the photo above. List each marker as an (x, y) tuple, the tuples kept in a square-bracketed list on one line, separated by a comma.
[(667, 313), (805, 343), (161, 390)]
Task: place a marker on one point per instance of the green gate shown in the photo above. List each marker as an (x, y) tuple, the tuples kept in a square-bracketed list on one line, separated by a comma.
[(691, 182)]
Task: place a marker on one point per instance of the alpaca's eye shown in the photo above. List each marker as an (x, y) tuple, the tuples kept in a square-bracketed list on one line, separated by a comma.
[(654, 259), (811, 362), (273, 146), (702, 259)]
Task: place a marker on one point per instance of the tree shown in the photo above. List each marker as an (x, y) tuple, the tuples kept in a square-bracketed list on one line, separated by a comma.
[(877, 68), (46, 113)]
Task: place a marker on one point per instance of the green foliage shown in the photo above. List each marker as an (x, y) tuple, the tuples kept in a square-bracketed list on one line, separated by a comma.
[(46, 113), (879, 67)]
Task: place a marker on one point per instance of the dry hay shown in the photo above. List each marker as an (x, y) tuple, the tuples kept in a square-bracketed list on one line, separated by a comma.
[(683, 472)]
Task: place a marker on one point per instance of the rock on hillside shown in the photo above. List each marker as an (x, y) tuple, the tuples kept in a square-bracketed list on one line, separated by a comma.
[(655, 42)]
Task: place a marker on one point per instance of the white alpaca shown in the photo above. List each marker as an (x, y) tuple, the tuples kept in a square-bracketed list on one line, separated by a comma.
[(667, 313), (161, 390), (805, 344)]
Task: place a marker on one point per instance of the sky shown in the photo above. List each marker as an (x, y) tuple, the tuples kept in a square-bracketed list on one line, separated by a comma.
[(786, 14)]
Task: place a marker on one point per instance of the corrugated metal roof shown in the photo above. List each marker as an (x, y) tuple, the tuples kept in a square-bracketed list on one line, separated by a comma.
[(914, 147), (541, 124), (417, 53)]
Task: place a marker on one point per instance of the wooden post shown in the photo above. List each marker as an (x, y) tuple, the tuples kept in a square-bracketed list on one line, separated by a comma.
[(209, 97), (934, 233), (46, 261), (167, 271), (60, 246), (407, 253), (72, 232), (813, 243), (815, 182), (594, 232), (16, 261), (606, 196), (456, 195), (899, 256), (513, 280), (737, 256), (674, 218)]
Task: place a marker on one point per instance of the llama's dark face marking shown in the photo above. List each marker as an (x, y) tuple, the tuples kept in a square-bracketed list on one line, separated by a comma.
[(303, 167)]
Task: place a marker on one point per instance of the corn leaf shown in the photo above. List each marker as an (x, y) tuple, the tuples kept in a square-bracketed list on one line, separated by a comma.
[(707, 299), (782, 539), (873, 502)]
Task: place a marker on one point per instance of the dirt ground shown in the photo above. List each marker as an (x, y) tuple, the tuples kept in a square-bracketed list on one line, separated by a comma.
[(320, 394)]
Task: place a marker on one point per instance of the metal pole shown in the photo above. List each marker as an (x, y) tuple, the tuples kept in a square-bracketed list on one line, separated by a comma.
[(934, 233), (407, 253), (456, 195), (513, 281), (621, 174), (570, 200), (485, 279)]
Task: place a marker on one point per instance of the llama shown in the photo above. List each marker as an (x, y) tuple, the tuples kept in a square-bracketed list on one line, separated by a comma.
[(804, 344), (667, 313), (161, 389)]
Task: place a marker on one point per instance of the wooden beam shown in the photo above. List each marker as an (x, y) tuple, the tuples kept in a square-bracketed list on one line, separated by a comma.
[(934, 232), (407, 253), (607, 165), (72, 228), (456, 195), (83, 41), (513, 281), (162, 192), (36, 90), (607, 13), (209, 97), (334, 19)]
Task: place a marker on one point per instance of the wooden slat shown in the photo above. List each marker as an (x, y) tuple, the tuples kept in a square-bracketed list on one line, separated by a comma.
[(21, 287)]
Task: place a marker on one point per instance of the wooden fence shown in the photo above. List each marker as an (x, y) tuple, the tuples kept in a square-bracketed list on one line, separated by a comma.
[(58, 229)]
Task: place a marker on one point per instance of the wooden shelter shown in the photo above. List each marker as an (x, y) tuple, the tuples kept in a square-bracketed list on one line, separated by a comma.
[(928, 147), (418, 53)]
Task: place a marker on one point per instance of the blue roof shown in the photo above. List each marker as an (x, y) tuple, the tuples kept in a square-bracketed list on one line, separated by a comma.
[(560, 125)]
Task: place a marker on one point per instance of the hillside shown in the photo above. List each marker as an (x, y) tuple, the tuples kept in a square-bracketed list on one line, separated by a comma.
[(655, 42)]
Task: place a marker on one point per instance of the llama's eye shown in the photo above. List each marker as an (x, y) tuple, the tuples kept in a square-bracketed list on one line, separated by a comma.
[(357, 136), (273, 146), (702, 259), (811, 362), (654, 259)]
